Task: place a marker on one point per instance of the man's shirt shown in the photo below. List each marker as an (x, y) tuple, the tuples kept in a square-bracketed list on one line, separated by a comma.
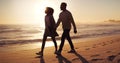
[(66, 18)]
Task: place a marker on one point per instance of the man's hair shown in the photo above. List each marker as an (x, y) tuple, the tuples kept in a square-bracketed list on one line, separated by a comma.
[(63, 3)]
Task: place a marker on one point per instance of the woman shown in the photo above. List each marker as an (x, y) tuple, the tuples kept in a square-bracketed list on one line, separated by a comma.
[(49, 29)]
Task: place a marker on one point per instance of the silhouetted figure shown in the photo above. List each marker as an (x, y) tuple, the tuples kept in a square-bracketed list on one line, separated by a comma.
[(66, 18), (49, 29)]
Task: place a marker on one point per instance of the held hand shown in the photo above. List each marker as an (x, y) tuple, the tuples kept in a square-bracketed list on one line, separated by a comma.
[(75, 31), (55, 28)]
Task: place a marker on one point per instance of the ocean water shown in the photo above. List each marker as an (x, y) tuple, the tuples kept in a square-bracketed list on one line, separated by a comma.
[(22, 34)]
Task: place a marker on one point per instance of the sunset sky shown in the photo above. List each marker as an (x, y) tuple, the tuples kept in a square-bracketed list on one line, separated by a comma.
[(32, 11)]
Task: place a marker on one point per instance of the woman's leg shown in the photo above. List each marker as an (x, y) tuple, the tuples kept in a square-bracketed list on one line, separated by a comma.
[(55, 43), (43, 43)]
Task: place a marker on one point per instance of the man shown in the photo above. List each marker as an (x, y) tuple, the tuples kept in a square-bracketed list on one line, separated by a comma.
[(66, 18)]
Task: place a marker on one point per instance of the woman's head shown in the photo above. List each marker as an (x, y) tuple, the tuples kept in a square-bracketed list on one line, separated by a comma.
[(49, 11)]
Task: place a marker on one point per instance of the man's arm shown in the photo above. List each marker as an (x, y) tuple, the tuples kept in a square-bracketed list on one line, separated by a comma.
[(58, 22), (73, 23)]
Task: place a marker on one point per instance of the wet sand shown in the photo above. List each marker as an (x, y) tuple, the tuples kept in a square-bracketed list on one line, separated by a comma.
[(93, 50)]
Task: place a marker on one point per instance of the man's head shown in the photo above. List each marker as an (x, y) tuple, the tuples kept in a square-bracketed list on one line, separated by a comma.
[(63, 6)]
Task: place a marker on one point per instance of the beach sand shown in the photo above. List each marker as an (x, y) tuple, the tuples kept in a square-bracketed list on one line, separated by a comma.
[(93, 50)]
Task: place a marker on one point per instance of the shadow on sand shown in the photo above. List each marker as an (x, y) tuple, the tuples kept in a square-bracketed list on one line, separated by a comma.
[(82, 59), (62, 59), (41, 59)]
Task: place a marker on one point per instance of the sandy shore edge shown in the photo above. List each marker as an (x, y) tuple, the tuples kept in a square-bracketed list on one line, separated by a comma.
[(95, 50)]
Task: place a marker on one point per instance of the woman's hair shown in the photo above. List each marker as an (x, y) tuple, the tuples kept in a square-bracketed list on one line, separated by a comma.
[(49, 10)]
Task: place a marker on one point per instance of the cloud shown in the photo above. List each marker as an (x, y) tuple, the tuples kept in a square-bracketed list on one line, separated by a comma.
[(113, 21)]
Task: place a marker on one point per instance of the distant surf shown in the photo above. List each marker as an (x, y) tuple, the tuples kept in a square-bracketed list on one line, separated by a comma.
[(22, 34)]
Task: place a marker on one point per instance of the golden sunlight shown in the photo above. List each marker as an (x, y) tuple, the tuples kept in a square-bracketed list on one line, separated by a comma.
[(40, 8)]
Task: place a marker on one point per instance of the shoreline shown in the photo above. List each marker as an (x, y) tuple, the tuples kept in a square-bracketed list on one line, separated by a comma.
[(32, 41), (28, 41), (92, 50), (49, 43)]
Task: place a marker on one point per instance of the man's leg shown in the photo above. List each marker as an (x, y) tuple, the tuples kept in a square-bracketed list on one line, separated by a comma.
[(69, 40), (62, 41)]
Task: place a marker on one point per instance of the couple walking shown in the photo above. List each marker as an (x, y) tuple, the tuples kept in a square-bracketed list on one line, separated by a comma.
[(50, 28)]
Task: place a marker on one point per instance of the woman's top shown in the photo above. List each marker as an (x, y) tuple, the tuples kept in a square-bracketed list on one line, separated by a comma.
[(50, 26)]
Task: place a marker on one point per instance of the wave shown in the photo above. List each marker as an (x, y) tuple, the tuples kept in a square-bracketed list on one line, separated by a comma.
[(11, 42), (28, 34)]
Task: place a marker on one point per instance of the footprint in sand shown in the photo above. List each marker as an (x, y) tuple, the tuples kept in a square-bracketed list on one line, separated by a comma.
[(99, 43), (111, 42), (96, 59), (118, 40), (104, 44), (76, 48), (118, 61), (95, 55), (75, 59), (87, 49), (111, 58), (93, 47), (108, 51), (94, 44), (118, 53)]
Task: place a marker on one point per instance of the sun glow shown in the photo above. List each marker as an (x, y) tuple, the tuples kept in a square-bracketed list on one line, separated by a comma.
[(32, 11), (40, 10)]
